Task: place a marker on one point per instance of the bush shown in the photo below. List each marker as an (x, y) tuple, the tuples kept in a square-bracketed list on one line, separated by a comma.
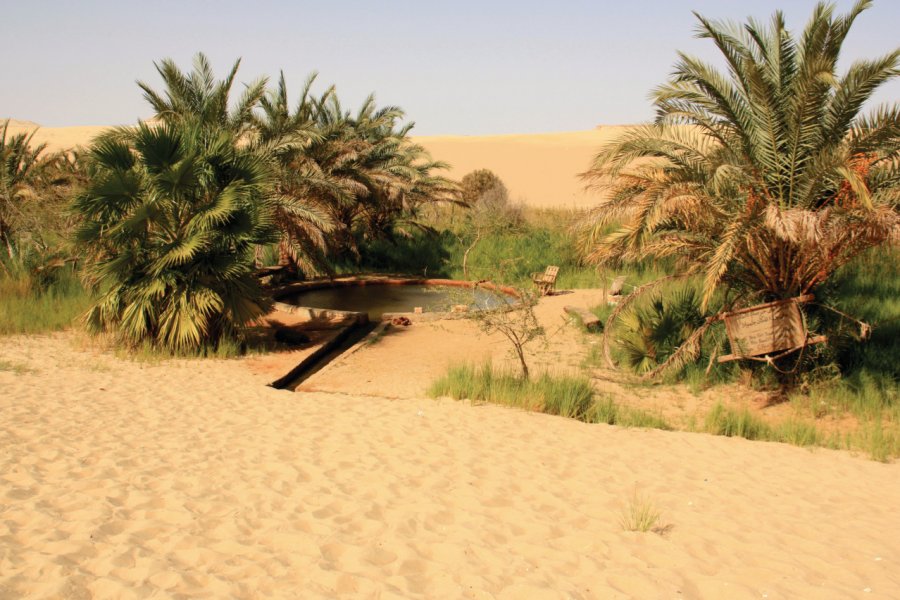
[(476, 185), (173, 214), (652, 330)]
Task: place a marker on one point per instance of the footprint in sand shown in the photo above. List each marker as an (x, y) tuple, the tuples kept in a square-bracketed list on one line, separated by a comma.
[(380, 557), (21, 493)]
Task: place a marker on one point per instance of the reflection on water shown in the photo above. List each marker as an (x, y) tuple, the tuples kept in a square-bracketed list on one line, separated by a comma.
[(379, 299)]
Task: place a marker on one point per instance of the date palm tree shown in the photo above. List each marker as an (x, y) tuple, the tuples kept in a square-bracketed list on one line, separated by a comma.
[(21, 166), (198, 96), (285, 135), (379, 178), (172, 215), (766, 178), (339, 177)]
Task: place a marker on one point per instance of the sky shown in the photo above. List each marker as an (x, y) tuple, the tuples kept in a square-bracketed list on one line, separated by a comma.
[(456, 68)]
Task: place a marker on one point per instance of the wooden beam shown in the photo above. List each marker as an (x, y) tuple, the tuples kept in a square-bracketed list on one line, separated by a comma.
[(819, 339), (588, 319)]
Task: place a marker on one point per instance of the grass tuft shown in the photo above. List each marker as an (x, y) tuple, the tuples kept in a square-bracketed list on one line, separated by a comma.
[(876, 440), (16, 368), (734, 423), (640, 514)]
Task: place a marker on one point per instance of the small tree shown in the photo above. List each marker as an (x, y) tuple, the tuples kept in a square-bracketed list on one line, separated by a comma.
[(477, 183), (489, 210), (516, 322)]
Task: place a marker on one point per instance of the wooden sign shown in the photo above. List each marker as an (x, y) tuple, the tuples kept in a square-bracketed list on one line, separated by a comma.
[(766, 329)]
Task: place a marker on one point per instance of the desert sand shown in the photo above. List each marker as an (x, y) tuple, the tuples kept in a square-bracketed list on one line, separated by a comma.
[(194, 479), (184, 479), (56, 138), (540, 170)]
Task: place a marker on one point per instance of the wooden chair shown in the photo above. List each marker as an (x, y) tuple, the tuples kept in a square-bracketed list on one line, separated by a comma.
[(546, 281), (616, 288), (614, 293)]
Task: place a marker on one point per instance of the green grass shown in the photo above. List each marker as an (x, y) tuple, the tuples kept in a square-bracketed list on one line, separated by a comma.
[(24, 308), (798, 433), (149, 353), (28, 305), (845, 377), (860, 377), (737, 423), (566, 396), (544, 239), (879, 440), (515, 256), (606, 410), (868, 395)]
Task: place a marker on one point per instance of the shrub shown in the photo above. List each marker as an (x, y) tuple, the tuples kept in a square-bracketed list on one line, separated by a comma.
[(172, 216), (651, 331)]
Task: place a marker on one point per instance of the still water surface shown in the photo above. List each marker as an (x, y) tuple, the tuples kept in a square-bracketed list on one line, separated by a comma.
[(379, 299)]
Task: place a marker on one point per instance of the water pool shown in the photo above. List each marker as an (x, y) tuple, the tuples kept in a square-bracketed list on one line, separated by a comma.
[(377, 299)]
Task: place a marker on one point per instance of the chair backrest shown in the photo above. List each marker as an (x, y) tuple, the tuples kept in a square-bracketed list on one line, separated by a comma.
[(550, 274), (616, 288)]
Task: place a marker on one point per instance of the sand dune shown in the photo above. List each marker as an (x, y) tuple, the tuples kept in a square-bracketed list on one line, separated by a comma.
[(121, 479), (57, 138), (540, 170)]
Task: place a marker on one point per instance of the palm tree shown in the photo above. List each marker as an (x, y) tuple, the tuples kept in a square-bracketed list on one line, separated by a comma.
[(378, 179), (765, 179), (339, 177), (199, 97), (285, 136), (20, 168), (172, 215)]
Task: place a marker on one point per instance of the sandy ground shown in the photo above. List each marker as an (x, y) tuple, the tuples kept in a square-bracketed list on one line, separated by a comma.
[(406, 360), (540, 170), (192, 479)]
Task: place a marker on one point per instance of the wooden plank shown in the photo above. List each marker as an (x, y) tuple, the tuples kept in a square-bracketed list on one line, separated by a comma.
[(819, 339), (798, 299), (766, 329), (588, 319)]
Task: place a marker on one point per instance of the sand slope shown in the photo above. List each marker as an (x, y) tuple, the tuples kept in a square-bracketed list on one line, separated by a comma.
[(192, 479), (56, 138), (539, 169)]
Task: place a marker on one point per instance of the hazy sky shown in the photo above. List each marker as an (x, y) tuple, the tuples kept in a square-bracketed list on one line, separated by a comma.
[(457, 67)]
